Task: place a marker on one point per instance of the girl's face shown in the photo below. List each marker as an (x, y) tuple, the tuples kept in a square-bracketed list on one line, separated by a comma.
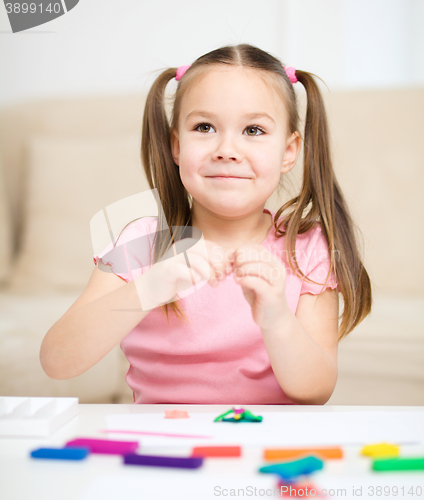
[(233, 142)]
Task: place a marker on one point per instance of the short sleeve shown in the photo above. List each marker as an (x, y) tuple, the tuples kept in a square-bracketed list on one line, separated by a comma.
[(314, 261), (132, 254)]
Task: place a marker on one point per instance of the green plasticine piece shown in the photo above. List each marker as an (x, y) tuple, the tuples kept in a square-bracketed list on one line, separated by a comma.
[(244, 416), (221, 417), (247, 415), (241, 420), (288, 470), (399, 464)]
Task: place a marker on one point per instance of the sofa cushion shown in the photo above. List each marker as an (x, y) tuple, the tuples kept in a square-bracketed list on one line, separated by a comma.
[(24, 321), (79, 116), (382, 361), (69, 181), (5, 233), (378, 152)]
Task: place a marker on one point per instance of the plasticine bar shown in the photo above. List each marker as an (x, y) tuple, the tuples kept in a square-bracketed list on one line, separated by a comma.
[(106, 446), (216, 451), (381, 450), (159, 461), (290, 470), (61, 453), (297, 489), (389, 464), (279, 453)]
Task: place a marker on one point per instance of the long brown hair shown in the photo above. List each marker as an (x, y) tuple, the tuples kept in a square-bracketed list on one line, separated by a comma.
[(319, 201)]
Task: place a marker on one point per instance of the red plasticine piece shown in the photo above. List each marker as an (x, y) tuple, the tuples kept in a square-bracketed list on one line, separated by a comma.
[(298, 489), (216, 451), (176, 414)]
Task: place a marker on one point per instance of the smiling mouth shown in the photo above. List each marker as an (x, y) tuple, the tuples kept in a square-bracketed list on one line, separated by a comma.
[(224, 177)]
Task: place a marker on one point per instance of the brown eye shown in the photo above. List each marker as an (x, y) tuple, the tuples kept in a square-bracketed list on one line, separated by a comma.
[(254, 129), (203, 127)]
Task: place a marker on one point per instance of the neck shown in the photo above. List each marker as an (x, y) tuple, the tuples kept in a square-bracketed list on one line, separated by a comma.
[(231, 232)]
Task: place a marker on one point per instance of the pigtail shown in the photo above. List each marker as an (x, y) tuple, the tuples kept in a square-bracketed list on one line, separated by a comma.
[(162, 173), (321, 199)]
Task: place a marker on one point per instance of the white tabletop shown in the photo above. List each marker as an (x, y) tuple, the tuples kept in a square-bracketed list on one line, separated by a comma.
[(22, 477)]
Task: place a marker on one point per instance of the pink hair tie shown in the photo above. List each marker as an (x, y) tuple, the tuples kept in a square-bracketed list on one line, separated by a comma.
[(180, 71), (291, 73)]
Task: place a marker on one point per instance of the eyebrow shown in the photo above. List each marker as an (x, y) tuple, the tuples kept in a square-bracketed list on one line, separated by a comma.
[(209, 116)]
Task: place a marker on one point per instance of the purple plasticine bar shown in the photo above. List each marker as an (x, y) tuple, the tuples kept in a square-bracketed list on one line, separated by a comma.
[(106, 446), (160, 461)]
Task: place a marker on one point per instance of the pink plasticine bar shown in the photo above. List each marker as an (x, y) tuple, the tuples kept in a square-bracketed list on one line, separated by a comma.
[(106, 446)]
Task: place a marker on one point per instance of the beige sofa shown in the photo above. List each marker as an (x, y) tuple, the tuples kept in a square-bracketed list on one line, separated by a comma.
[(64, 159)]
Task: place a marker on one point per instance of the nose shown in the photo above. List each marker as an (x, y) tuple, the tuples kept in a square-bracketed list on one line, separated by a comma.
[(226, 151)]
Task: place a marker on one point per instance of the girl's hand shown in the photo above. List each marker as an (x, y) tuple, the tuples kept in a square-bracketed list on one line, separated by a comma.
[(262, 277), (160, 284)]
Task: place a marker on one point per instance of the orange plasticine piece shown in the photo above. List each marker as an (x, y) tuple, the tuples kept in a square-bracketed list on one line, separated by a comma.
[(277, 454), (176, 414)]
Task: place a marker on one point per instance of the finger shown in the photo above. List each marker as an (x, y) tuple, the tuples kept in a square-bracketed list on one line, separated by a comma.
[(255, 253), (274, 275), (225, 261), (254, 283), (218, 261), (196, 257), (202, 270), (211, 271)]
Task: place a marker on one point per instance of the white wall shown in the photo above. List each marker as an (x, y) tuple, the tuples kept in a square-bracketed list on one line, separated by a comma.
[(113, 46), (356, 43), (105, 45)]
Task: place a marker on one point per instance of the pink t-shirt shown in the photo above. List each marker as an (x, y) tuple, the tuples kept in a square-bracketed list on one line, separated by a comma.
[(220, 357)]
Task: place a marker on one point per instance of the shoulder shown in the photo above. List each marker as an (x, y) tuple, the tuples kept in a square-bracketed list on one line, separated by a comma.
[(311, 236), (136, 228), (311, 246), (138, 234), (308, 241), (312, 250)]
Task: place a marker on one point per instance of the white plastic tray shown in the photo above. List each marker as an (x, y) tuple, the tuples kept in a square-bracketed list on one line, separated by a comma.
[(23, 417)]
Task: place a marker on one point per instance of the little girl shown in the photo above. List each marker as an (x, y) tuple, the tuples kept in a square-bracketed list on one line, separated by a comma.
[(264, 329)]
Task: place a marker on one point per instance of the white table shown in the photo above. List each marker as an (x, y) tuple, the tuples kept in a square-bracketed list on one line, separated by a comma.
[(24, 478)]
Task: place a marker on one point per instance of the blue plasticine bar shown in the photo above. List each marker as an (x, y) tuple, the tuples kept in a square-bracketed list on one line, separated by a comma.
[(289, 470), (61, 453), (160, 461)]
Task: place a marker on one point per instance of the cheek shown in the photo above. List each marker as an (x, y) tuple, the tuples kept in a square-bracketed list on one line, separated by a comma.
[(191, 153), (188, 171), (265, 160), (188, 166)]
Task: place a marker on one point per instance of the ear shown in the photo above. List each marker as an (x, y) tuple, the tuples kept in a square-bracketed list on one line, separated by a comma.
[(291, 153), (175, 146)]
